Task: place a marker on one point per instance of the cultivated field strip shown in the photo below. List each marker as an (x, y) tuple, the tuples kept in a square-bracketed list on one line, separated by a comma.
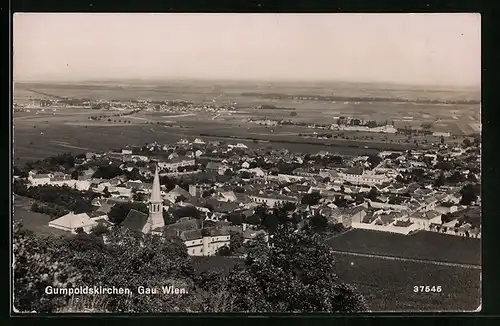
[(425, 261)]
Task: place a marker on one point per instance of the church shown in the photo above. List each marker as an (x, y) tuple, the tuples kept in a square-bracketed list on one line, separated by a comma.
[(198, 243), (155, 222)]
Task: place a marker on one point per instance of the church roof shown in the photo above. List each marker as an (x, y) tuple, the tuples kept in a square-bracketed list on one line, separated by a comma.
[(135, 220), (156, 191)]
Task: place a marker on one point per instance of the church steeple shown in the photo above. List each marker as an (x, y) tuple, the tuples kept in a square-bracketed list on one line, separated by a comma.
[(155, 191), (155, 218)]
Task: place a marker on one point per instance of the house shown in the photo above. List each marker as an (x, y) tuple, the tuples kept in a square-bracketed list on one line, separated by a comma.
[(39, 179), (90, 155), (425, 219), (183, 142), (199, 141), (214, 167), (126, 151), (71, 221), (173, 194), (176, 163), (257, 172), (122, 192), (241, 145), (245, 165), (140, 158)]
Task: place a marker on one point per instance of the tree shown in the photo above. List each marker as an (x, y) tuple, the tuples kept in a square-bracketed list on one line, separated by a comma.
[(297, 274), (359, 199), (186, 211), (99, 229), (426, 126), (246, 175), (466, 142), (311, 199), (469, 194), (236, 243), (106, 192), (180, 199), (270, 222), (293, 114), (374, 160), (318, 222), (35, 266), (253, 220), (440, 180), (139, 196), (119, 211), (372, 194), (442, 139), (223, 251), (236, 218)]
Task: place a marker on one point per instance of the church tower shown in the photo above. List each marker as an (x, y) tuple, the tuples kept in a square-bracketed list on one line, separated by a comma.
[(155, 218)]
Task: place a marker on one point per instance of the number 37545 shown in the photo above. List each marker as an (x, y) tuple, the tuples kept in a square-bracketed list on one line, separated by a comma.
[(427, 289)]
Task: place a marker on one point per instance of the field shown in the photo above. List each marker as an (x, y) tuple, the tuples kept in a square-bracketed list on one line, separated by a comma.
[(422, 245), (36, 222), (388, 285), (40, 133)]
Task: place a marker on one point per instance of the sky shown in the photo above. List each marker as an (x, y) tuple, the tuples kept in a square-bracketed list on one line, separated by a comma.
[(424, 49)]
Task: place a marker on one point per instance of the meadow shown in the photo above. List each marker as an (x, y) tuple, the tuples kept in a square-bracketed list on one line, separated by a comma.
[(36, 222)]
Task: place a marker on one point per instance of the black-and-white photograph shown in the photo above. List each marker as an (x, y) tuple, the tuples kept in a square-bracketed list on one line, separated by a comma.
[(257, 163)]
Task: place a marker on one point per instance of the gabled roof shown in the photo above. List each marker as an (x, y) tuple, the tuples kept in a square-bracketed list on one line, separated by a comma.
[(191, 235), (354, 171), (41, 176), (135, 220), (180, 192), (73, 221), (105, 208), (213, 166)]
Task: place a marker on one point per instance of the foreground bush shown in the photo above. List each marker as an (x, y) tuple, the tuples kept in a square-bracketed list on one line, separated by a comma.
[(295, 274)]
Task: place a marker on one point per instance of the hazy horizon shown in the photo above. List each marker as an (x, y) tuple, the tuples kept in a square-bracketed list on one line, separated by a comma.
[(407, 49)]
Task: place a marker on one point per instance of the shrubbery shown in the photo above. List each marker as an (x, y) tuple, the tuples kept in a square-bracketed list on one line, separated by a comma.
[(296, 274)]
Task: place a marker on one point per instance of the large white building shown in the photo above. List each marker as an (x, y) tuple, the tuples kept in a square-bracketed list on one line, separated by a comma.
[(272, 200), (204, 245), (177, 162), (359, 177)]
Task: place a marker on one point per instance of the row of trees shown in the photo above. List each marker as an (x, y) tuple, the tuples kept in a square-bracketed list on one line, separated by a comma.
[(296, 274), (67, 197)]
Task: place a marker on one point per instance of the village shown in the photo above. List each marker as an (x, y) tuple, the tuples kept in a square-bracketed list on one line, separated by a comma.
[(208, 191)]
